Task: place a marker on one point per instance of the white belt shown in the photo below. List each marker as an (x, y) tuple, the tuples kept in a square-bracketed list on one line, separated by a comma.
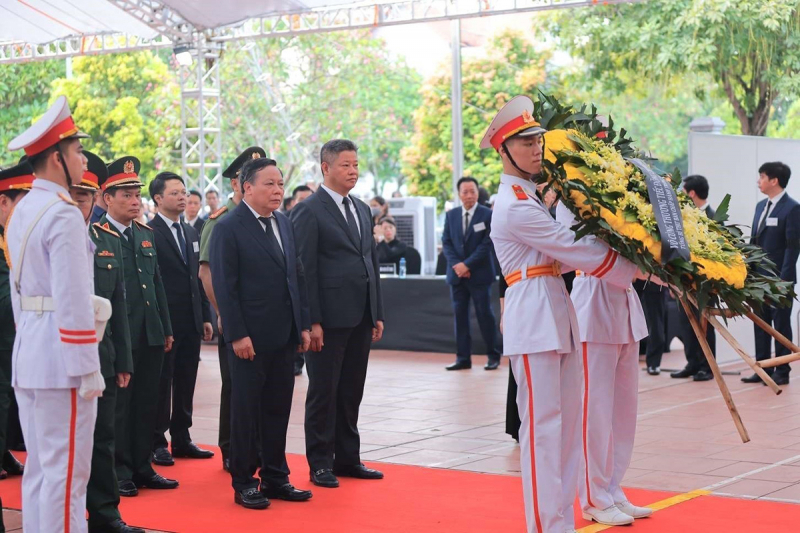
[(39, 304)]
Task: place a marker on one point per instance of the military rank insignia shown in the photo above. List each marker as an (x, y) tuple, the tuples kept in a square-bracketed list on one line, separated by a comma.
[(147, 244), (519, 192), (105, 253)]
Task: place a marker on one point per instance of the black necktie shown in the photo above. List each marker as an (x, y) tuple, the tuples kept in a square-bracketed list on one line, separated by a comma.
[(763, 223), (129, 234), (351, 220), (181, 241), (466, 222), (270, 232)]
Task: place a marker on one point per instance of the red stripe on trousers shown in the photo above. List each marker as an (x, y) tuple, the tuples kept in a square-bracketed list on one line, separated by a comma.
[(586, 420), (71, 456), (533, 448)]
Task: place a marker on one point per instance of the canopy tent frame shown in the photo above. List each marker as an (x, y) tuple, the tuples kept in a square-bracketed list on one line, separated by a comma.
[(201, 123)]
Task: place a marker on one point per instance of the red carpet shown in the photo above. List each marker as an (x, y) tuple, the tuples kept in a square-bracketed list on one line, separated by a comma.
[(410, 500)]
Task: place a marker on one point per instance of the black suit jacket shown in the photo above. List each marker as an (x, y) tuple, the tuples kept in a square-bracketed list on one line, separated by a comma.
[(781, 241), (261, 292), (473, 249), (342, 273), (188, 304), (198, 225)]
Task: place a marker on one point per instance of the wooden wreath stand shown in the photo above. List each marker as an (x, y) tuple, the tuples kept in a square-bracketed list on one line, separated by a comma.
[(709, 316)]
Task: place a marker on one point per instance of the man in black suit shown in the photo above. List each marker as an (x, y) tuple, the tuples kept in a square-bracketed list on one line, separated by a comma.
[(344, 295), (194, 205), (470, 273), (776, 229), (261, 294), (696, 188), (189, 313)]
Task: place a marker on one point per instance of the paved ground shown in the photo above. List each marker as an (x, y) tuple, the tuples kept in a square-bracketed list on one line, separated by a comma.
[(416, 413)]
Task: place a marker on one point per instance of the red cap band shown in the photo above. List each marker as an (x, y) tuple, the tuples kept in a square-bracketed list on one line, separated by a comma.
[(512, 128), (54, 135)]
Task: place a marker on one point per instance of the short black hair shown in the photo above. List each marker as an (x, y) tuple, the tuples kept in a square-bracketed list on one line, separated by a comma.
[(298, 189), (388, 220), (112, 191), (209, 191), (159, 183), (380, 199), (251, 168), (195, 192), (38, 161), (331, 150), (12, 193), (287, 202), (467, 179), (777, 170), (698, 184)]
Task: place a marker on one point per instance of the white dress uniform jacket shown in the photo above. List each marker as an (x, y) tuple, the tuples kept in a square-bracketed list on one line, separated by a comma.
[(52, 349), (607, 314), (525, 235)]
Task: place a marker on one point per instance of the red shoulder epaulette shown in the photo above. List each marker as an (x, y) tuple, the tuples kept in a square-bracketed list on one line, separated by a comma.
[(143, 225), (519, 192), (106, 229), (218, 212)]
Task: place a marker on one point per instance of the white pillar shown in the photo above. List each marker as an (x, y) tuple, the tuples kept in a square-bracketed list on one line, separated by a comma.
[(456, 100)]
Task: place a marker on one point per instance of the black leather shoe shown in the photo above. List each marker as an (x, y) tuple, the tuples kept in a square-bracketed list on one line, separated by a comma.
[(703, 375), (685, 373), (459, 366), (779, 380), (324, 478), (251, 499), (492, 365), (357, 471), (127, 488), (162, 457), (298, 371), (191, 451), (157, 482), (286, 492), (752, 379), (117, 526), (226, 464), (11, 465), (3, 474), (653, 370)]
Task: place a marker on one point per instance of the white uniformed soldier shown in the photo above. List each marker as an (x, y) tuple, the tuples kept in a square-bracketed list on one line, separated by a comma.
[(541, 329), (56, 367), (611, 324)]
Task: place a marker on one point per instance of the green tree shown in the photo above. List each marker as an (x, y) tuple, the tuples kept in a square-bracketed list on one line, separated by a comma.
[(24, 95), (750, 48), (511, 66), (129, 104), (292, 94)]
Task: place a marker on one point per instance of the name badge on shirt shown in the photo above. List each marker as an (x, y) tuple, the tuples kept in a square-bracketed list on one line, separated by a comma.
[(479, 227), (196, 246), (772, 221)]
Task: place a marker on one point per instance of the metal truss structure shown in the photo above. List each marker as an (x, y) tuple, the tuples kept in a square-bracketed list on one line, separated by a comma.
[(201, 120)]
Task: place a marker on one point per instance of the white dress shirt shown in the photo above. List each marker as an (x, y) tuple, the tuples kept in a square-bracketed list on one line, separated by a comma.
[(337, 198), (773, 201), (471, 212), (119, 225), (272, 219), (174, 230)]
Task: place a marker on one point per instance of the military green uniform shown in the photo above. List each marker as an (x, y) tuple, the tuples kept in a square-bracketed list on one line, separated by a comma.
[(102, 497), (224, 438), (148, 319), (7, 333)]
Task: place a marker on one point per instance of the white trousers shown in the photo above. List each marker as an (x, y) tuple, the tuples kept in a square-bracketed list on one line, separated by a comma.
[(548, 398), (610, 392), (58, 426)]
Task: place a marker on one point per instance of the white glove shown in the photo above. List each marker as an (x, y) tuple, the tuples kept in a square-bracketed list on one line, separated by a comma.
[(102, 312), (92, 385)]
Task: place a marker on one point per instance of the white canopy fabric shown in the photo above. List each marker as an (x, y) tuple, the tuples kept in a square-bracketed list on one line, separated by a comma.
[(43, 21)]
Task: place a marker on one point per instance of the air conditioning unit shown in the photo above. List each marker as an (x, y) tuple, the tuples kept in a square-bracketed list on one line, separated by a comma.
[(415, 217)]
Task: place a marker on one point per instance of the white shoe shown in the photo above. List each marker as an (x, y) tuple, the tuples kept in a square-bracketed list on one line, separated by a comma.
[(632, 510), (609, 517)]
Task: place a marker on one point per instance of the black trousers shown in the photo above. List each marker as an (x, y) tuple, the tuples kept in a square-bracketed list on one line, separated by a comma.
[(512, 411), (176, 391), (137, 408), (224, 438), (481, 296), (102, 493), (655, 310), (695, 358), (6, 393), (336, 377), (780, 319), (261, 402)]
